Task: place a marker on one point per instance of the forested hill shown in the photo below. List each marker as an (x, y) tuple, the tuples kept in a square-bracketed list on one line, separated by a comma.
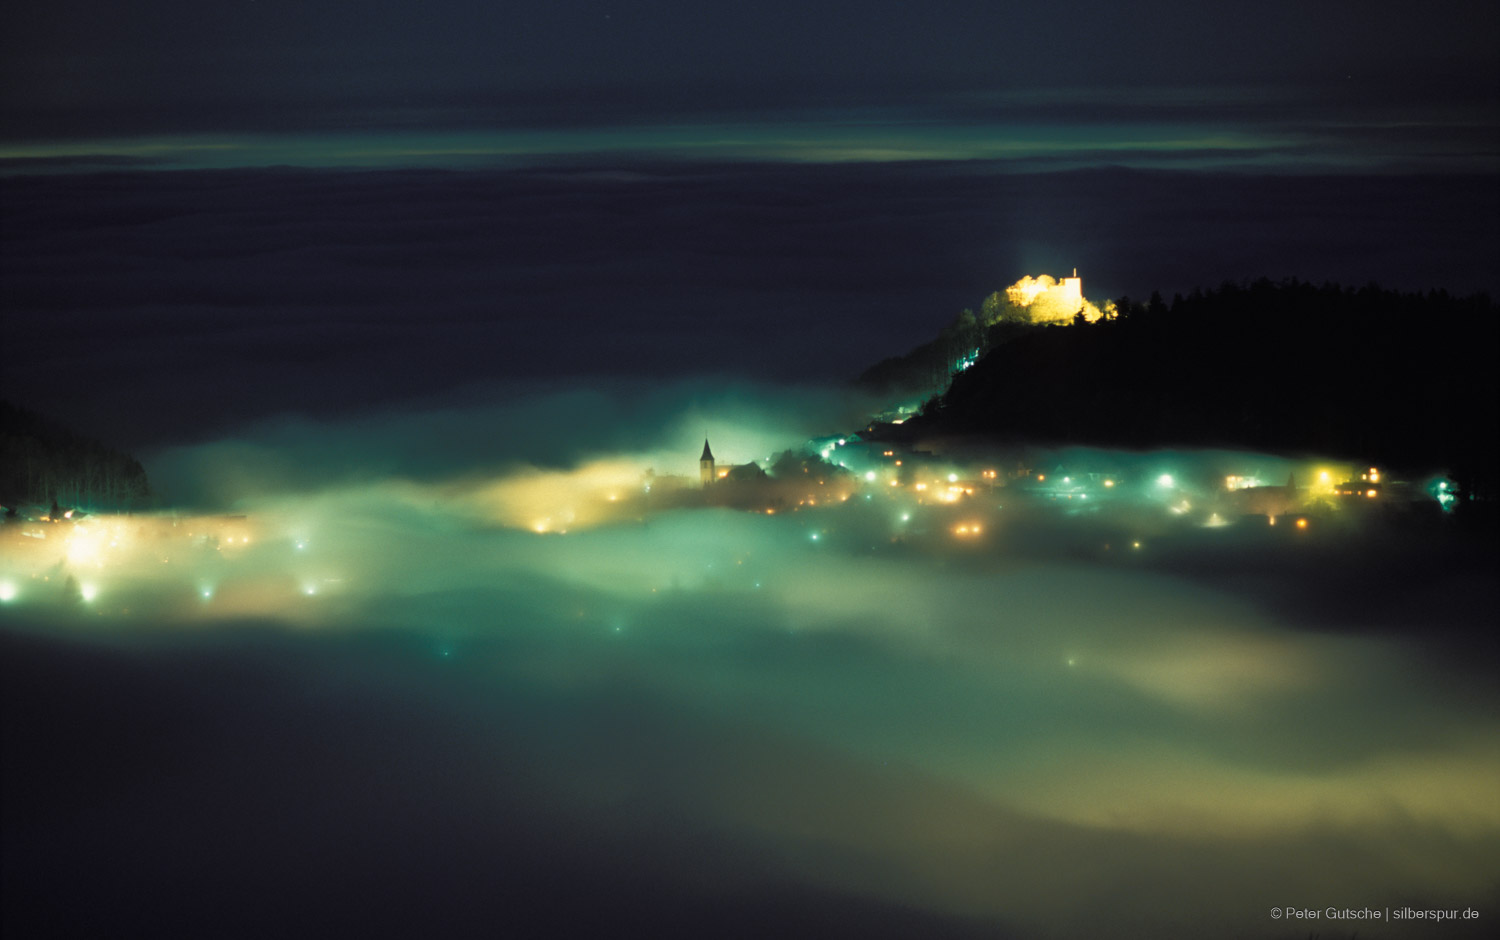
[(1409, 379), (42, 462)]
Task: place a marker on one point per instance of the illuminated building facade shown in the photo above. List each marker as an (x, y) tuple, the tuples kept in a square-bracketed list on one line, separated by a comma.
[(1070, 291), (1050, 300)]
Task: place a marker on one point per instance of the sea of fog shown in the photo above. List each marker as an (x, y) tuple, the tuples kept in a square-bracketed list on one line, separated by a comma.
[(449, 668)]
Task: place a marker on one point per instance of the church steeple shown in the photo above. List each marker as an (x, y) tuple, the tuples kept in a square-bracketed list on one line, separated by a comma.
[(706, 464)]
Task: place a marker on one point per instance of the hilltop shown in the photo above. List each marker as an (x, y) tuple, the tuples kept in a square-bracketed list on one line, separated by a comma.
[(1287, 367)]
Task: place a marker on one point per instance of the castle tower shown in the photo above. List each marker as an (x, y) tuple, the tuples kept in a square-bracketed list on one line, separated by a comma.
[(1070, 291), (706, 464)]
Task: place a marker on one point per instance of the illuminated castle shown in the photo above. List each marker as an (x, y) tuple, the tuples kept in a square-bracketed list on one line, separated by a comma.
[(1070, 291), (1050, 300), (706, 464)]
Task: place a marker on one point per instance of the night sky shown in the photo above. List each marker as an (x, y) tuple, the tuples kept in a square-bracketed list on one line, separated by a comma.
[(76, 70), (409, 289), (789, 190)]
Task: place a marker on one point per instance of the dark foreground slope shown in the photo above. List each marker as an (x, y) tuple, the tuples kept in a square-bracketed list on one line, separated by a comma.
[(1408, 379)]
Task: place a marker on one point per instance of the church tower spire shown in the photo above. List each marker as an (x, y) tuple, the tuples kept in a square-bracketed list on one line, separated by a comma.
[(706, 464)]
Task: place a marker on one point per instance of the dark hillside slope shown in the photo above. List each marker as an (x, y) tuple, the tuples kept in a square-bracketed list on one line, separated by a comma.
[(1409, 379)]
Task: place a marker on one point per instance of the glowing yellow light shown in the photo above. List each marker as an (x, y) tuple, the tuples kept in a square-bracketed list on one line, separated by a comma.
[(83, 547), (8, 591), (1301, 523), (921, 486), (89, 592), (1370, 493), (1109, 482), (1273, 519), (1040, 477), (895, 483)]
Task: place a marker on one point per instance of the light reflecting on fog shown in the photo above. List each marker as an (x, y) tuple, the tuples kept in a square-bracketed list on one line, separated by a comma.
[(987, 708)]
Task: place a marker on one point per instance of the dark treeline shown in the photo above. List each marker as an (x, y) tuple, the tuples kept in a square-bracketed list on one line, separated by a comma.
[(1290, 367), (44, 463)]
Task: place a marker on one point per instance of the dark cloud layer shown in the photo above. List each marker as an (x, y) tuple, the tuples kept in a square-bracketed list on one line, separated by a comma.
[(168, 65), (156, 305)]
